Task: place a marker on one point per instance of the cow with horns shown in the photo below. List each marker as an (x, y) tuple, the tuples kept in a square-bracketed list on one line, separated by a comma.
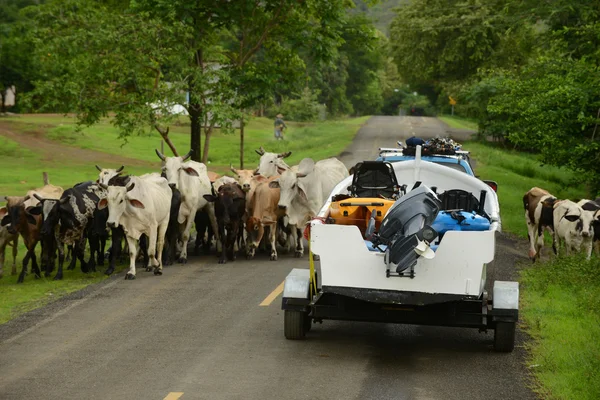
[(106, 174), (141, 207), (191, 178)]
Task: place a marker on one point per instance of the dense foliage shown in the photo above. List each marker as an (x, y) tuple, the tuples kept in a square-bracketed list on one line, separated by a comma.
[(527, 71)]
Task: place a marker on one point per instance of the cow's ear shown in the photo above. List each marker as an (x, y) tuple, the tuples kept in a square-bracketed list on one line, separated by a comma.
[(572, 218), (302, 190), (210, 198), (102, 204), (305, 167), (274, 185), (30, 219), (191, 171), (3, 212), (136, 203), (5, 221), (37, 210), (281, 170)]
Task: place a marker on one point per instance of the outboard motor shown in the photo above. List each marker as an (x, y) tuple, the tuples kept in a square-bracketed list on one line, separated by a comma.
[(406, 230)]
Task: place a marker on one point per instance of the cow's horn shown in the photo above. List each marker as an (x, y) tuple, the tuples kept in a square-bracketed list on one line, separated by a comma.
[(64, 200), (284, 155), (260, 151), (188, 155), (159, 154), (130, 187), (98, 168), (26, 198), (120, 169), (38, 197), (232, 169), (103, 186)]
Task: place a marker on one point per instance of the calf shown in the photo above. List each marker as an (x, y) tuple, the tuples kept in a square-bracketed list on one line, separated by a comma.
[(142, 207), (573, 226), (230, 207), (593, 209), (10, 239), (539, 208)]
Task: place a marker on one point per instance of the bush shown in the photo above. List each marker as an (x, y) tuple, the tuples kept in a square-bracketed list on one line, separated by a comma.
[(305, 108)]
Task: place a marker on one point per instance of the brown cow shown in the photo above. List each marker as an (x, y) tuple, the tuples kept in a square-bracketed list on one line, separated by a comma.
[(28, 225), (265, 213), (9, 239), (539, 206)]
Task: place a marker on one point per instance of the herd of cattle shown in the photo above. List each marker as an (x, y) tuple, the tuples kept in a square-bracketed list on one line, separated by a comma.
[(575, 224), (155, 213)]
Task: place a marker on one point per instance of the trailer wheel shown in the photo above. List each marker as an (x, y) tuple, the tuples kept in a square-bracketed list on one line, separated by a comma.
[(504, 336), (294, 326)]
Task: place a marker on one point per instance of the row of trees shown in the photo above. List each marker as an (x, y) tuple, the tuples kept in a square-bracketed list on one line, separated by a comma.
[(134, 59), (526, 70)]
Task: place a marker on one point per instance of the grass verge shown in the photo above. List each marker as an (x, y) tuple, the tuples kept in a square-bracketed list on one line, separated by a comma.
[(22, 168), (561, 311), (459, 123)]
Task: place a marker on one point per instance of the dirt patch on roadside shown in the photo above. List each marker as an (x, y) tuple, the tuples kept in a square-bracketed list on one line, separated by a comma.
[(51, 151)]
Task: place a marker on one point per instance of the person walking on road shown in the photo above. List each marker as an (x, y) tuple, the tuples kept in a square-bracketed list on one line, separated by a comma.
[(279, 127)]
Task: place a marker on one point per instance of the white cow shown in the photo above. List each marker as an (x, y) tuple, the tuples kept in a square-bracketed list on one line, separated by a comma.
[(593, 209), (191, 178), (10, 239), (141, 207), (272, 164), (105, 174), (304, 192), (573, 226)]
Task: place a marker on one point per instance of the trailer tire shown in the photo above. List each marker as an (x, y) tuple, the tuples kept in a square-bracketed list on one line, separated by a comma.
[(294, 327), (504, 336)]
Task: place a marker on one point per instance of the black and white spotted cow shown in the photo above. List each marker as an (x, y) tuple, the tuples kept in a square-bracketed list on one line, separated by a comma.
[(70, 221), (592, 208)]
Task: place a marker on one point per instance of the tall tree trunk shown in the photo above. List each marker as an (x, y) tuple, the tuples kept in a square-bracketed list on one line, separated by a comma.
[(242, 142), (196, 131), (208, 133)]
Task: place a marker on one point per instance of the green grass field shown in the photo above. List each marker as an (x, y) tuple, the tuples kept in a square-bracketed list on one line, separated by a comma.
[(52, 144), (516, 173), (459, 122)]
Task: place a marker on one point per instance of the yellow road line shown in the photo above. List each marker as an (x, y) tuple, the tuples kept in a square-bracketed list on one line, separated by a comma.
[(173, 396), (273, 295)]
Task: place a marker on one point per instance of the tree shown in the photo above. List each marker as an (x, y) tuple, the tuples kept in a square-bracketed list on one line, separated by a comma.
[(136, 62)]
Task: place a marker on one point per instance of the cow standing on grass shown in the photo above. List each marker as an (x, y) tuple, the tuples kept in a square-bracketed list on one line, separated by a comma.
[(141, 207), (7, 239), (539, 209), (573, 226), (592, 208), (191, 178), (28, 225)]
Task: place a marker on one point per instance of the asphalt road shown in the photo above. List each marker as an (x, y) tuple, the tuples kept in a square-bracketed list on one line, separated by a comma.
[(199, 332)]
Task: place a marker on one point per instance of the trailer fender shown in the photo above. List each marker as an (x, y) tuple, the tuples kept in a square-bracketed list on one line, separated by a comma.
[(296, 290), (506, 301)]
